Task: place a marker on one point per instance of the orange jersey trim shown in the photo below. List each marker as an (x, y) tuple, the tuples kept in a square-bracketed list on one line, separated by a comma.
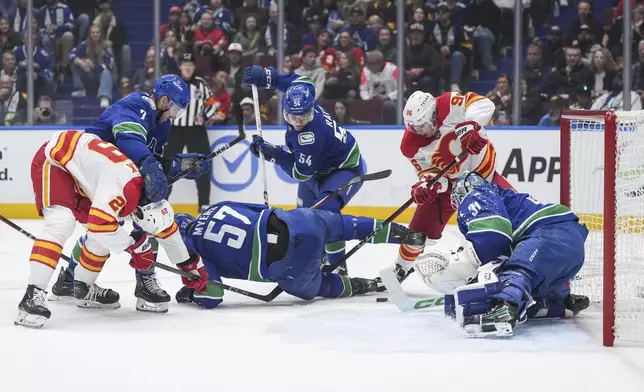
[(64, 150), (99, 221), (167, 232), (470, 98), (46, 252), (91, 261), (487, 165)]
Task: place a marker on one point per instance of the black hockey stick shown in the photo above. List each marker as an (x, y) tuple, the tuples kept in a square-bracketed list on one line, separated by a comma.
[(400, 210), (265, 298)]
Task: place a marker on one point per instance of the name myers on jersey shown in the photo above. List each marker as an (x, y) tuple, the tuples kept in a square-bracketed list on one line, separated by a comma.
[(202, 220), (538, 165)]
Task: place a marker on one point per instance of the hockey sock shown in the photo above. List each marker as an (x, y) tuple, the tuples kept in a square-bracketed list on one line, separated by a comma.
[(89, 265), (75, 256), (335, 286), (357, 228), (335, 252), (42, 262), (155, 250)]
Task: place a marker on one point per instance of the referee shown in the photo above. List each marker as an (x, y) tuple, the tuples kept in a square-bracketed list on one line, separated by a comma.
[(190, 131)]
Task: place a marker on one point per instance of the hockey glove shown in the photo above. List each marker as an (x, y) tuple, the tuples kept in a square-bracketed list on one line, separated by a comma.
[(472, 137), (141, 251), (272, 153), (195, 266), (259, 76), (423, 194), (156, 183), (195, 164)]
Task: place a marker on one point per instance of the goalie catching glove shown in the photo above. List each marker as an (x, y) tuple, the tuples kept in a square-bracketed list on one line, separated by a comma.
[(472, 137)]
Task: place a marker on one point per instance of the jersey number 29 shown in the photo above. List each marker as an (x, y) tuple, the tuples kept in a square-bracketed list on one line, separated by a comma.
[(237, 235)]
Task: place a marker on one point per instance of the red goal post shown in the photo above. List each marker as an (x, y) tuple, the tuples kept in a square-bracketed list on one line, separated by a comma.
[(602, 181)]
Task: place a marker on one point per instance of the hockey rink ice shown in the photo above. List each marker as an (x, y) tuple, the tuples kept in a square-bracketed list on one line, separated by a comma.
[(353, 344)]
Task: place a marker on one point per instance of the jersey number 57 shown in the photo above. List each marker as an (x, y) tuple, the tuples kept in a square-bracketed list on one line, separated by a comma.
[(237, 235)]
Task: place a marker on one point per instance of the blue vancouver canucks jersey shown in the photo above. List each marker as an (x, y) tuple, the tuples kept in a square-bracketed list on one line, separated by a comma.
[(131, 124), (231, 240), (321, 147), (494, 219)]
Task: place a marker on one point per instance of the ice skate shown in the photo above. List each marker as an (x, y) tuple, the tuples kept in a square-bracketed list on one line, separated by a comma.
[(95, 297), (150, 297), (32, 310), (63, 289)]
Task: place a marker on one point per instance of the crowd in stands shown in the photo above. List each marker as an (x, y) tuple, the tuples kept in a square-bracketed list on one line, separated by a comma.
[(348, 48)]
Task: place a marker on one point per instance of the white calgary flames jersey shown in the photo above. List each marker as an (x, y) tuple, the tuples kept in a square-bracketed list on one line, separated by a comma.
[(430, 155)]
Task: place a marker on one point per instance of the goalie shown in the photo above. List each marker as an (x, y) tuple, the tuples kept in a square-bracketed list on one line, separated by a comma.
[(525, 252)]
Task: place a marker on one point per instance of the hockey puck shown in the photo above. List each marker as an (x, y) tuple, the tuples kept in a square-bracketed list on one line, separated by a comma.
[(382, 299)]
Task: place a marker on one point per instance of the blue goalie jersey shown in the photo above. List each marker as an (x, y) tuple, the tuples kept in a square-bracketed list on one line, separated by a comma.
[(494, 219), (322, 146), (131, 124)]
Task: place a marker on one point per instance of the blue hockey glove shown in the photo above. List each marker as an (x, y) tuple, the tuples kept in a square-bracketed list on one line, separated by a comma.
[(261, 77), (271, 152), (156, 183), (196, 164)]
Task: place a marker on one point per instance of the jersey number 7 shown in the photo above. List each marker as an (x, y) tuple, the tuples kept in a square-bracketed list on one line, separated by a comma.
[(237, 234)]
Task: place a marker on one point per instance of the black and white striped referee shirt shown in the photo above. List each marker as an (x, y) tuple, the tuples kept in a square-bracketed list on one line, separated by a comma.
[(200, 91)]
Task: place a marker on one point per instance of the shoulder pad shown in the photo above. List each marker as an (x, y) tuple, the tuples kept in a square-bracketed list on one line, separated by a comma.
[(411, 143), (149, 100)]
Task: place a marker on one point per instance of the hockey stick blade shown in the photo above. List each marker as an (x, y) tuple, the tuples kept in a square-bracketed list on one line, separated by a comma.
[(355, 180), (401, 300)]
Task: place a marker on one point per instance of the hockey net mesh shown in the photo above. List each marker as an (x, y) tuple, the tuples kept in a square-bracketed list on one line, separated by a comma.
[(586, 200)]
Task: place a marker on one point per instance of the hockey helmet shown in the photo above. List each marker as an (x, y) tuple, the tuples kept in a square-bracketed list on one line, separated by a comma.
[(420, 115), (177, 91), (298, 103), (153, 218), (463, 186)]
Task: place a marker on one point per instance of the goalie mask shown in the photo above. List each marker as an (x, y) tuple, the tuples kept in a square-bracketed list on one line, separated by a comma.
[(444, 270), (463, 186), (420, 115), (153, 218)]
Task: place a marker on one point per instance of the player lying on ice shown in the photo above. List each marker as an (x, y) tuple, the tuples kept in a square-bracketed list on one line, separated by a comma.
[(526, 253), (259, 243), (77, 177), (321, 155), (139, 126)]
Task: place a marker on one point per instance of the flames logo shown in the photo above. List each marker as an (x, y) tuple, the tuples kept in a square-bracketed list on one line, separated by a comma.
[(443, 155)]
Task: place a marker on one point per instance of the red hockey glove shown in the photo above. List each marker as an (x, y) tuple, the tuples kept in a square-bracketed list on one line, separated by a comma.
[(423, 194), (194, 265), (471, 137), (141, 251)]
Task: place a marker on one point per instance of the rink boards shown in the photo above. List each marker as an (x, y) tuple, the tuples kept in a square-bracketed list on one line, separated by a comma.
[(527, 156)]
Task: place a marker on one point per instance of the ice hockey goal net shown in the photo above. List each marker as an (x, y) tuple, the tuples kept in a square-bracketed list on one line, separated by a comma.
[(602, 181)]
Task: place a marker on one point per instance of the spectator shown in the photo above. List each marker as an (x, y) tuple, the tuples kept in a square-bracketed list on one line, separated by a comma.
[(221, 98), (335, 18), (507, 21), (586, 17), (235, 71), (345, 82), (8, 8), (13, 107), (43, 68), (583, 102), (174, 21), (326, 54), (553, 117), (379, 80), (604, 70), (270, 34), (586, 42), (572, 78), (422, 62), (419, 16), (555, 56), (311, 67), (58, 22), (92, 65), (116, 39), (386, 10), (185, 22), (222, 17), (314, 28), (501, 95), (375, 23), (534, 72), (342, 114), (209, 40), (19, 22), (614, 99), (44, 112), (9, 66), (171, 51), (387, 45), (616, 33), (250, 37), (457, 10), (485, 18), (637, 74), (143, 79), (449, 40), (8, 38), (530, 104), (289, 64), (345, 44), (364, 37), (248, 111), (83, 13)]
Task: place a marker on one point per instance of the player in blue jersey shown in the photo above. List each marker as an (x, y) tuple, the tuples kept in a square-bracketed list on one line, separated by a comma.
[(139, 125), (259, 243), (527, 253), (320, 154)]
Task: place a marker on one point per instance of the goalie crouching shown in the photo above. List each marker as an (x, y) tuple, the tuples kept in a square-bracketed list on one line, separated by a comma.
[(518, 260)]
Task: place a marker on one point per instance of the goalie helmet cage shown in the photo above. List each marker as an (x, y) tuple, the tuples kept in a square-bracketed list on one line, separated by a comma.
[(602, 181)]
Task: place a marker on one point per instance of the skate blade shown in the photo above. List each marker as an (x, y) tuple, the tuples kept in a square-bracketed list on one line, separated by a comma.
[(500, 330), (61, 298), (151, 307), (81, 303), (25, 319)]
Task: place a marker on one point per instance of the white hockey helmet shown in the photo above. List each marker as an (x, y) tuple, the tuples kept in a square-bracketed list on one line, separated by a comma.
[(444, 270), (420, 114), (153, 218)]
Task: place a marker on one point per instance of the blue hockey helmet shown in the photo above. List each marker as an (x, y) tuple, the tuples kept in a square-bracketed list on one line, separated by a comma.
[(177, 91), (463, 186), (298, 102)]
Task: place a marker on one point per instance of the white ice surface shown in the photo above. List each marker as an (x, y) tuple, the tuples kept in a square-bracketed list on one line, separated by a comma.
[(352, 344)]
